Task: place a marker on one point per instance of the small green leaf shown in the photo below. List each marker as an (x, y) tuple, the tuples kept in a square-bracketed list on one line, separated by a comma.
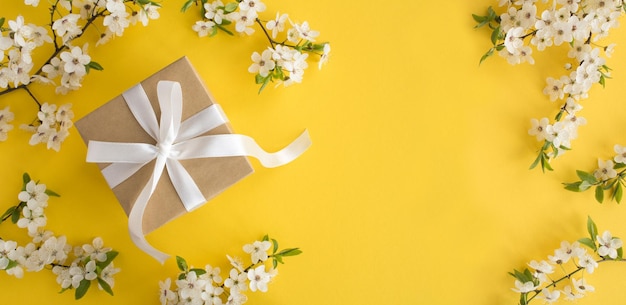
[(599, 193), (182, 264), (275, 263), (620, 253), (619, 165), (224, 29), (592, 229), (479, 18), (105, 286), (536, 162), (265, 238), (495, 35), (17, 213), (275, 243), (182, 276), (52, 193), (2, 21), (585, 176), (619, 192), (82, 289), (8, 213), (93, 65), (574, 186), (486, 55), (11, 264), (25, 180), (198, 271), (279, 259), (290, 252), (111, 255), (187, 5), (588, 242), (230, 7), (267, 81)]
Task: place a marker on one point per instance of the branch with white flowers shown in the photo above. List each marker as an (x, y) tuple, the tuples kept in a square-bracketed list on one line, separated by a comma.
[(207, 286), (579, 24), (76, 267), (67, 64), (539, 281), (610, 176), (285, 59)]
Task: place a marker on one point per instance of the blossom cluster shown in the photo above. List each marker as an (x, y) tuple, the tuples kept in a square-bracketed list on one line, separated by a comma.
[(576, 24), (75, 267), (539, 281), (53, 125), (207, 287), (609, 176), (68, 64), (285, 59)]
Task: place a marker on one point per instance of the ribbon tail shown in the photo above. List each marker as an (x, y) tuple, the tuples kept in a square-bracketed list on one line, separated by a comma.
[(135, 217)]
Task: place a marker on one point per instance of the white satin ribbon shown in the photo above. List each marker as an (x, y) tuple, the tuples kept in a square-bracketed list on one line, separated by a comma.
[(176, 140)]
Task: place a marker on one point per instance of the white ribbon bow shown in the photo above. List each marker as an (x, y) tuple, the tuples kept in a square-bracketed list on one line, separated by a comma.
[(176, 140)]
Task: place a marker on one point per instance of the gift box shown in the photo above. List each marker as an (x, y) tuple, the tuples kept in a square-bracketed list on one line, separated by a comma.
[(114, 122)]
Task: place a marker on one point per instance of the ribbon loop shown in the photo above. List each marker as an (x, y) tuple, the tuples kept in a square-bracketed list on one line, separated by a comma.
[(176, 140)]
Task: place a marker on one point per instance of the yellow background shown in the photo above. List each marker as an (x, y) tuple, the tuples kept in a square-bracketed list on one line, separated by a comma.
[(415, 191)]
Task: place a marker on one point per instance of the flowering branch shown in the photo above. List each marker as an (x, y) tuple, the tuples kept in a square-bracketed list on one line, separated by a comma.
[(536, 282), (69, 20), (205, 286), (92, 262), (609, 176), (283, 61), (578, 24)]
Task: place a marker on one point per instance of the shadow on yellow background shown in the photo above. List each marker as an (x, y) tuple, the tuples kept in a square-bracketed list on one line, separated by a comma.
[(416, 189)]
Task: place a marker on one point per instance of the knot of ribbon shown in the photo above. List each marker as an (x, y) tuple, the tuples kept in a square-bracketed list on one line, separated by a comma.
[(176, 140)]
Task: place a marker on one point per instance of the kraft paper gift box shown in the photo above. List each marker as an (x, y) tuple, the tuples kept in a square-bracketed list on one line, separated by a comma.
[(114, 122)]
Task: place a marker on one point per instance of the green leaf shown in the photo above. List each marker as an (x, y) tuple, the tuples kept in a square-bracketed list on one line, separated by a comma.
[(545, 162), (588, 242), (585, 176), (93, 65), (230, 7), (536, 162), (8, 213), (619, 192), (224, 29), (495, 35), (17, 213), (182, 264), (198, 271), (486, 55), (599, 193), (290, 252), (105, 286), (11, 264), (265, 238), (619, 165), (602, 81), (111, 255), (275, 245), (592, 229), (620, 253), (187, 5), (52, 193), (259, 79), (267, 81), (574, 186), (275, 263), (479, 18), (82, 289), (279, 259), (182, 276), (25, 180), (2, 21)]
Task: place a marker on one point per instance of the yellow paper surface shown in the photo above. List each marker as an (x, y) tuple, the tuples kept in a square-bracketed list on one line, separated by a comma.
[(416, 189)]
